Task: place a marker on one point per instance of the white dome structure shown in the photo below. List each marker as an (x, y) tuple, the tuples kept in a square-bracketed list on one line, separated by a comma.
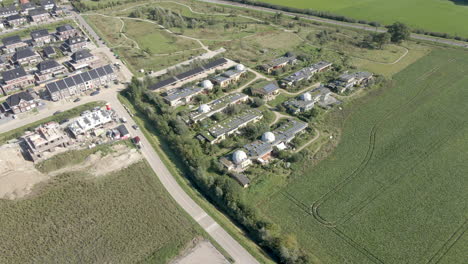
[(268, 137), (204, 108), (206, 84), (240, 67), (306, 97), (239, 156)]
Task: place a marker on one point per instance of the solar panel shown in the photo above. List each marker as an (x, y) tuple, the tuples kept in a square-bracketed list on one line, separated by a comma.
[(108, 69), (215, 63), (61, 84), (69, 81), (85, 76), (163, 83), (94, 75), (78, 80), (189, 73), (101, 72)]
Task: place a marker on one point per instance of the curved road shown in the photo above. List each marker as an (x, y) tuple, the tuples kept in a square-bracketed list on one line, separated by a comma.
[(338, 23)]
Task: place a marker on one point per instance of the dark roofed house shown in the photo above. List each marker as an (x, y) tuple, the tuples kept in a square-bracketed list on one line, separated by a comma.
[(81, 58), (49, 52), (65, 32), (280, 62), (12, 43), (15, 20), (48, 4), (74, 44), (25, 56), (21, 102), (15, 79), (8, 11), (40, 37), (26, 7), (39, 15), (48, 69), (241, 179), (268, 91)]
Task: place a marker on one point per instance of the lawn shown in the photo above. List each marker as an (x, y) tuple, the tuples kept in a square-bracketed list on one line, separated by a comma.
[(431, 15), (394, 189), (122, 217)]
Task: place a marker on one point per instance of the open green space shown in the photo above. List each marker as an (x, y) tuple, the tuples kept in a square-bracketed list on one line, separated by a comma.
[(394, 189), (432, 15), (122, 217)]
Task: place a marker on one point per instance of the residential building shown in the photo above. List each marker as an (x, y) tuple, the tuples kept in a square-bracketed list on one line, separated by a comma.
[(15, 79), (216, 106), (3, 64), (230, 76), (65, 32), (74, 44), (241, 179), (10, 44), (225, 128), (48, 69), (120, 132), (278, 63), (237, 161), (47, 4), (45, 138), (26, 7), (40, 37), (25, 56), (181, 96), (20, 102), (39, 15), (81, 58), (347, 81), (58, 11), (307, 100), (267, 92), (15, 20), (8, 11), (49, 52), (79, 83), (306, 73), (90, 120)]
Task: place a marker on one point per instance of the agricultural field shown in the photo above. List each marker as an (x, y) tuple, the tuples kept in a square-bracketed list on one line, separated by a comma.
[(100, 205), (394, 188), (447, 16)]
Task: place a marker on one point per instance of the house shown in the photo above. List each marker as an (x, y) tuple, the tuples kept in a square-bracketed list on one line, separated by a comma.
[(45, 138), (79, 83), (10, 44), (90, 120), (237, 161), (15, 20), (278, 63), (58, 11), (15, 79), (74, 44), (3, 64), (227, 127), (306, 73), (8, 11), (40, 37), (25, 56), (65, 32), (307, 100), (26, 7), (47, 4), (39, 15), (49, 52), (241, 179), (181, 96), (121, 132), (267, 92), (48, 69), (230, 76), (216, 106), (20, 102), (347, 81), (81, 58)]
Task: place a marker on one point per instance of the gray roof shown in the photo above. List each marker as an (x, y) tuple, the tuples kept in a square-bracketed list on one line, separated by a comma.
[(39, 33), (307, 72), (233, 123), (11, 40), (23, 53), (37, 12), (8, 10), (258, 148), (47, 64), (75, 40), (281, 60), (81, 54), (182, 93), (79, 78), (269, 88), (241, 178), (49, 51), (47, 2), (122, 130), (28, 6), (15, 99), (14, 17), (64, 28), (13, 74)]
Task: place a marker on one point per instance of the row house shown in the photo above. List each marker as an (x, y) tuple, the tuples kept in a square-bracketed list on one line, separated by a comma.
[(79, 83), (10, 44), (74, 44), (48, 69), (40, 37), (26, 7), (47, 4), (65, 32), (19, 103), (25, 56), (15, 20), (230, 76), (3, 64), (16, 79), (8, 11), (39, 15)]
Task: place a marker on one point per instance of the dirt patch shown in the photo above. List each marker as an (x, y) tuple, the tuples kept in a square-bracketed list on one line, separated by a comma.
[(17, 175), (202, 253), (97, 164)]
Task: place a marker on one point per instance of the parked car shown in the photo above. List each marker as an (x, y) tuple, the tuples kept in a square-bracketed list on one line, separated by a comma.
[(64, 121), (94, 93), (123, 120), (77, 100), (135, 127), (57, 112)]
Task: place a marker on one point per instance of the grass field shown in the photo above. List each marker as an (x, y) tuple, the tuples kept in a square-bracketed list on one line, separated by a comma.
[(122, 217), (431, 15), (394, 190)]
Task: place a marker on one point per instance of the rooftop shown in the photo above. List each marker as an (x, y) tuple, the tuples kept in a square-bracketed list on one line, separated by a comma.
[(230, 124), (15, 99), (80, 78), (39, 33), (47, 64), (13, 74), (178, 94)]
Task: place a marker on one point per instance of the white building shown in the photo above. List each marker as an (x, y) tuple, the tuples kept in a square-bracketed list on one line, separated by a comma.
[(90, 120)]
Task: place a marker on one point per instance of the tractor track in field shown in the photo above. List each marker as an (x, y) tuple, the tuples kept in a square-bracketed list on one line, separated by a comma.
[(453, 239)]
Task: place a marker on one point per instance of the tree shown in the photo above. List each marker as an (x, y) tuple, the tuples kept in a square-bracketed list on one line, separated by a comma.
[(381, 39), (399, 32), (257, 102)]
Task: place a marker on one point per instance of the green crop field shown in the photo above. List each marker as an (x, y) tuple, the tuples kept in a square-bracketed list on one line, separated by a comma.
[(431, 15), (122, 217), (394, 189)]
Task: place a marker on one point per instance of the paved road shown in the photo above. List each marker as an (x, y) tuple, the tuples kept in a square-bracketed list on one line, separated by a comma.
[(338, 23), (232, 247)]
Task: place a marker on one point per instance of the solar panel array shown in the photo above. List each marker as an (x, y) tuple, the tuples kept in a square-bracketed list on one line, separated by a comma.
[(78, 79)]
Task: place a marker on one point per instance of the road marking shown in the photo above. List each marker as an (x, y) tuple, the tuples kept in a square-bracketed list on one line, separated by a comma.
[(200, 217), (211, 227)]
